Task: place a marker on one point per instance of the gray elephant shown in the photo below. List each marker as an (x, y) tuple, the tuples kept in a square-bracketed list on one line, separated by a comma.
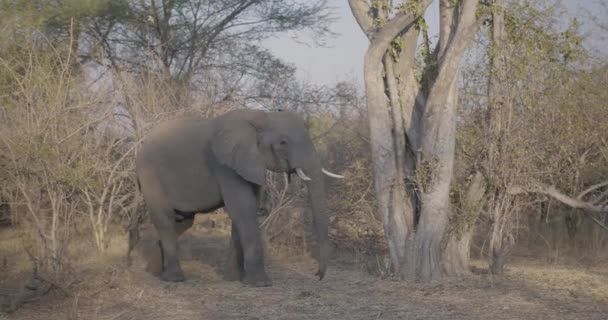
[(194, 166)]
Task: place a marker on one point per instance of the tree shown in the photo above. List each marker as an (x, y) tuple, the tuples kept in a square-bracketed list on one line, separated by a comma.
[(531, 117), (525, 48), (181, 38), (204, 49), (412, 126)]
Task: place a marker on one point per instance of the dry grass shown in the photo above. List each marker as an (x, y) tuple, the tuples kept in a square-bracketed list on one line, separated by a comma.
[(107, 289)]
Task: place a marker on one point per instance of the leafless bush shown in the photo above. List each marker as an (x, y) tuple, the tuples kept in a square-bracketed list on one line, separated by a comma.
[(287, 220), (68, 170), (276, 197)]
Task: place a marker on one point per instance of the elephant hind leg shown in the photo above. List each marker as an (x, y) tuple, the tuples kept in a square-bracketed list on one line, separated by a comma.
[(182, 224), (163, 219)]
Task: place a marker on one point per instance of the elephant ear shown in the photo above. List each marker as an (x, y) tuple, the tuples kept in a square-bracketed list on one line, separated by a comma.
[(236, 146)]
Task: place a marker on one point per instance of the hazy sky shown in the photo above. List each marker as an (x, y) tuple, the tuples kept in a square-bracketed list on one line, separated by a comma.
[(344, 59)]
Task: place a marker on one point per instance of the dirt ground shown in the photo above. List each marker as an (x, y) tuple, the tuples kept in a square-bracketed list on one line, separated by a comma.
[(108, 289)]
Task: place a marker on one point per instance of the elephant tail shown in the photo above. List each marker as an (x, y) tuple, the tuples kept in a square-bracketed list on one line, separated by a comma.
[(135, 220)]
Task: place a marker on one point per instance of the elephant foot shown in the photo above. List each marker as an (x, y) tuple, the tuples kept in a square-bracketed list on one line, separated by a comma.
[(256, 282), (172, 276), (232, 275), (233, 271)]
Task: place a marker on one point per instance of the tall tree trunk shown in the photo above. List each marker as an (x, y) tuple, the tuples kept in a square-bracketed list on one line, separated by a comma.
[(401, 117), (438, 144), (389, 175), (401, 222), (411, 108)]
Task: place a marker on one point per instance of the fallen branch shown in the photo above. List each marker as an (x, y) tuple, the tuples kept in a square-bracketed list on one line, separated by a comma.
[(576, 203)]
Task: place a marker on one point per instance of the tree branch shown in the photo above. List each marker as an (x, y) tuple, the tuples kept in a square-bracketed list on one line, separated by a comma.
[(575, 203), (435, 130), (360, 9), (591, 189), (382, 38)]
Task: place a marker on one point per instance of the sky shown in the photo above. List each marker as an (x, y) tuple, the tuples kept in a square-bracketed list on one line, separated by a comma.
[(343, 60)]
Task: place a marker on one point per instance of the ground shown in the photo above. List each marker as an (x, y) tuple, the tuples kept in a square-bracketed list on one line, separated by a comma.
[(107, 289)]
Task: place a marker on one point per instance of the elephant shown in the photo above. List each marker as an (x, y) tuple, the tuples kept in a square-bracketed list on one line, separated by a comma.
[(191, 166)]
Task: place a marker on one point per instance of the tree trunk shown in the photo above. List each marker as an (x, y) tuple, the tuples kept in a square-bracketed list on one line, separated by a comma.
[(407, 125), (388, 174), (403, 197), (389, 178), (438, 146), (457, 253), (437, 165), (401, 118)]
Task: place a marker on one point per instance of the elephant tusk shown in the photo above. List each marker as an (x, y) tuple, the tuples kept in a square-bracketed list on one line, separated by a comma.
[(331, 174), (302, 175)]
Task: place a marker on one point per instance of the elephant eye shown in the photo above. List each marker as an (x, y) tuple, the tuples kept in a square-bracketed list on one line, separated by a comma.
[(283, 142)]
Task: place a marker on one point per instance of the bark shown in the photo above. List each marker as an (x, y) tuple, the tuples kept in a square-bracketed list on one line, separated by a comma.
[(447, 23), (360, 9), (411, 100), (403, 123), (402, 220), (438, 145), (457, 254), (406, 114), (389, 190)]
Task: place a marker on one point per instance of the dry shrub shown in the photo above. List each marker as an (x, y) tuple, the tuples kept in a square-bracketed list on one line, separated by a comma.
[(44, 163), (67, 151), (51, 126), (562, 236), (355, 228), (556, 136), (286, 220)]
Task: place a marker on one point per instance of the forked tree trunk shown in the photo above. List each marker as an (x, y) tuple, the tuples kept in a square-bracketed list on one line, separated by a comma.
[(438, 143), (387, 131), (395, 109), (389, 174)]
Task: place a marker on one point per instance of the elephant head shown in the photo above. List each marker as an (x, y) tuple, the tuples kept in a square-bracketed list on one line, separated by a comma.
[(251, 141)]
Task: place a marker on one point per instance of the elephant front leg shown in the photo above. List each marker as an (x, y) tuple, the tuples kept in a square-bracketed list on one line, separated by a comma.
[(253, 253), (240, 200), (235, 268)]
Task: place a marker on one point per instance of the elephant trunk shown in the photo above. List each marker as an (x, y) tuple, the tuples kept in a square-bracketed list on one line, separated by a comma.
[(317, 197)]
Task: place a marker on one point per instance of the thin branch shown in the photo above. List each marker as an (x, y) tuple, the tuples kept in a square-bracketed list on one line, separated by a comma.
[(360, 9), (591, 189)]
